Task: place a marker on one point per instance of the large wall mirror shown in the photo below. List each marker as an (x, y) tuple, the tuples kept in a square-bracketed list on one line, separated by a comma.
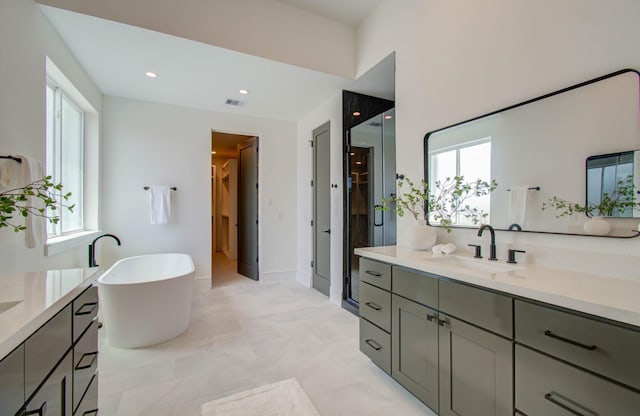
[(578, 145)]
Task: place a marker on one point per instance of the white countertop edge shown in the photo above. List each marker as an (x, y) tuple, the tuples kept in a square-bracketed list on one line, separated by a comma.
[(21, 335), (591, 308)]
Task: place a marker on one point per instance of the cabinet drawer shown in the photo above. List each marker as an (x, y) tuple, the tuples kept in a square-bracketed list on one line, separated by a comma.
[(375, 273), (480, 307), (545, 386), (416, 286), (85, 308), (89, 404), (45, 348), (12, 382), (597, 346), (85, 362), (375, 344), (375, 306)]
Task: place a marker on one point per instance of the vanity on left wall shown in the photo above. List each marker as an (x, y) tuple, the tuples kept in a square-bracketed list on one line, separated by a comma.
[(49, 343)]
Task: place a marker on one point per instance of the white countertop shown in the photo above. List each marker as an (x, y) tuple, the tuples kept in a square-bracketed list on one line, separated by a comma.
[(40, 295), (612, 298)]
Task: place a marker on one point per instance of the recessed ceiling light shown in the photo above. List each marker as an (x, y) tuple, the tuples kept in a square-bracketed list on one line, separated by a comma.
[(388, 117), (358, 163), (244, 91), (356, 113), (352, 154), (151, 74), (213, 152)]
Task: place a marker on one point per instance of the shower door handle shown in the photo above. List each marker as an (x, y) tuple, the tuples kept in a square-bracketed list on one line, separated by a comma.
[(377, 208)]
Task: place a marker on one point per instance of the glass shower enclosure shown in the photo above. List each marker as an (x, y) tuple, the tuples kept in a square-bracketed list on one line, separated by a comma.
[(371, 161)]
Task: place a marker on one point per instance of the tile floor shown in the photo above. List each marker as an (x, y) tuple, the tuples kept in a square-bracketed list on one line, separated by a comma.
[(245, 334)]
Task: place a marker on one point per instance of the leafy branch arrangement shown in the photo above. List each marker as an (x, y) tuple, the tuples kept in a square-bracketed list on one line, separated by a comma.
[(448, 199), (621, 199), (23, 202)]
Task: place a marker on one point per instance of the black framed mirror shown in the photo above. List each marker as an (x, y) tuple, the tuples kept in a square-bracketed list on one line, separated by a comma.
[(537, 150)]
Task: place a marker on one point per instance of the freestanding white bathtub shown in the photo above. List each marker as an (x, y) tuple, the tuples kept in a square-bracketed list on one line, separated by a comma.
[(145, 300)]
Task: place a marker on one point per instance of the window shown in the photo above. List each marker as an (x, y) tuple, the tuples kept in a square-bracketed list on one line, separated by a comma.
[(65, 156), (472, 160)]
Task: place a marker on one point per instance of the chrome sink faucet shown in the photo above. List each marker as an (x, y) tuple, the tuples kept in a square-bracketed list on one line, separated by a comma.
[(492, 247), (92, 248)]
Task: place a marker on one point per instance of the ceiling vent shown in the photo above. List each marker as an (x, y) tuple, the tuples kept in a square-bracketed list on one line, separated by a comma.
[(235, 103)]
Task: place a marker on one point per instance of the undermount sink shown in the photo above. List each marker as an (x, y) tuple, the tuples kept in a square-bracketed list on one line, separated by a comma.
[(478, 265), (5, 306)]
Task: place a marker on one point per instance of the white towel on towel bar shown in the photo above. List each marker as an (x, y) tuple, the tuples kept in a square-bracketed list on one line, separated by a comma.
[(160, 203), (518, 205)]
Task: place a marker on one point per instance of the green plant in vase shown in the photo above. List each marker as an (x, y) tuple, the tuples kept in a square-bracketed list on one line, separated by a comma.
[(621, 199), (448, 199), (39, 198)]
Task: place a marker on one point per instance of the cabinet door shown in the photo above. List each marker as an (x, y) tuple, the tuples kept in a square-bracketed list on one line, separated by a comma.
[(415, 349), (54, 396), (476, 371), (12, 382)]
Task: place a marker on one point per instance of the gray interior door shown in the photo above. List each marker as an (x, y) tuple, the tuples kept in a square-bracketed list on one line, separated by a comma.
[(321, 211), (248, 210)]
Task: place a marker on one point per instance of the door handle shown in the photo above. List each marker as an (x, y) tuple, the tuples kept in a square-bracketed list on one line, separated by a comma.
[(328, 231), (378, 208), (373, 344), (374, 306), (570, 341), (549, 397)]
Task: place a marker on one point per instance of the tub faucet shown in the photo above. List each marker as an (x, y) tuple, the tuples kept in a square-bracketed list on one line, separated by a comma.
[(92, 248), (492, 247)]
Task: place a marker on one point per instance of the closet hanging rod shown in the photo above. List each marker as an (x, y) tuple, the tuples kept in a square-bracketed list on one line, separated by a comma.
[(173, 188), (17, 159)]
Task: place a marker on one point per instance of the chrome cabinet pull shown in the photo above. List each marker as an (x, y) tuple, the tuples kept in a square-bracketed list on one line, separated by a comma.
[(372, 273), (549, 397), (81, 366), (373, 344), (90, 308), (569, 341), (374, 306)]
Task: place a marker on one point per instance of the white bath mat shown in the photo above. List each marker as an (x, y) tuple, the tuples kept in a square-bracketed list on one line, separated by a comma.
[(284, 398)]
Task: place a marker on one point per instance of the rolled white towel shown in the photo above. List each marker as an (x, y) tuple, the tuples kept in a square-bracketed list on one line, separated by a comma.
[(448, 248), (437, 249)]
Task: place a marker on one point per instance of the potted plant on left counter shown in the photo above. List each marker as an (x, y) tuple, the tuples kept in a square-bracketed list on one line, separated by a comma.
[(444, 202)]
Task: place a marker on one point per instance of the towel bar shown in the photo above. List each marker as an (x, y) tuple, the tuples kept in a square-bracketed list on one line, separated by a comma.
[(173, 188)]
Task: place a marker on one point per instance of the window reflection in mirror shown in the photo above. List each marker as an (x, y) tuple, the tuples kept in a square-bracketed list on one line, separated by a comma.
[(615, 175), (469, 159)]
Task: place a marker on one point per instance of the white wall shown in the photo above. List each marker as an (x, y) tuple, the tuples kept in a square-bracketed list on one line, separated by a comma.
[(265, 28), (329, 111), (457, 60), (147, 143), (26, 39)]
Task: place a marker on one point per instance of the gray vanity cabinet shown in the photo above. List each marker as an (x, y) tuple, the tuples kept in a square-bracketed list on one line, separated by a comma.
[(54, 371), (12, 382), (414, 349), (53, 398), (476, 371)]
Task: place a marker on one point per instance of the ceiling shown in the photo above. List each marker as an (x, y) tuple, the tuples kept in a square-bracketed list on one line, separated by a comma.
[(351, 12), (190, 73)]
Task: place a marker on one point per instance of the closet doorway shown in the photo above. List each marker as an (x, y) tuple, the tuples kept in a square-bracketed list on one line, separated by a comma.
[(234, 202)]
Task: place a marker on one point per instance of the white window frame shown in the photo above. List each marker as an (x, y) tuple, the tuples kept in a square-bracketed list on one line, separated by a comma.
[(91, 169), (54, 160)]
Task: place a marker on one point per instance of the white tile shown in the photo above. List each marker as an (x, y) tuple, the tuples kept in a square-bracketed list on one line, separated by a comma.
[(245, 334)]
